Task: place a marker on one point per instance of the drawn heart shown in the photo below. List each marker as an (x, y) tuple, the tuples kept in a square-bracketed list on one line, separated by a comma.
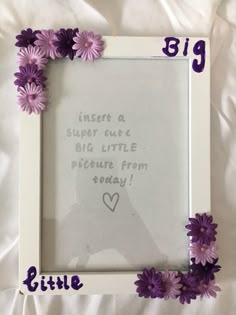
[(111, 201)]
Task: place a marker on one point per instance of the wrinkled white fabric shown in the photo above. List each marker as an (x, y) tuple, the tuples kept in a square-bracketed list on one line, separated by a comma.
[(213, 18)]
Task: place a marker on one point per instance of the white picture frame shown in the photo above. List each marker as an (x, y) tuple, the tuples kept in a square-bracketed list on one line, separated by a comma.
[(199, 166)]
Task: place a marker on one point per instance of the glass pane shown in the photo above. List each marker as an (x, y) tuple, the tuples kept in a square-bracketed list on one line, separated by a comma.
[(115, 165)]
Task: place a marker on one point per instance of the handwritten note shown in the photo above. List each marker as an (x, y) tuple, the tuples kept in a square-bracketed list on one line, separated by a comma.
[(111, 140)]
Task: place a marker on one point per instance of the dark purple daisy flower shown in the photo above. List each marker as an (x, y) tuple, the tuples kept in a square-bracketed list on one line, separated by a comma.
[(64, 42), (189, 290), (150, 284), (29, 74), (204, 273), (26, 38), (202, 229)]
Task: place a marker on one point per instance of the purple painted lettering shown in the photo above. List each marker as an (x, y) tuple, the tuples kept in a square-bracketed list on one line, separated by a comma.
[(59, 283), (51, 283), (65, 283), (185, 52), (172, 43), (171, 49), (42, 284), (31, 274), (75, 283), (45, 282), (199, 49)]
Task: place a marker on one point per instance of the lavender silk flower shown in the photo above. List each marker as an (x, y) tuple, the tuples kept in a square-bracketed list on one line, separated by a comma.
[(32, 55), (32, 98), (88, 45), (26, 38), (204, 273), (29, 74), (150, 284), (202, 230), (208, 290), (64, 42), (45, 40), (189, 290), (172, 285), (203, 253)]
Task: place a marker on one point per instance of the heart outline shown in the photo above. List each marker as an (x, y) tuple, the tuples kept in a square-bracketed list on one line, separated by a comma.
[(111, 197)]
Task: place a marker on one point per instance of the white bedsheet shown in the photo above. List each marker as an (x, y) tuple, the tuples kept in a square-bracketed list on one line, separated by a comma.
[(213, 18)]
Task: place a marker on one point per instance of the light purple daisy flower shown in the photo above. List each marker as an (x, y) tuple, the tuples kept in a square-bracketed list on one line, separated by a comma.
[(88, 45), (45, 41), (32, 98), (32, 55), (203, 253), (171, 284), (208, 290)]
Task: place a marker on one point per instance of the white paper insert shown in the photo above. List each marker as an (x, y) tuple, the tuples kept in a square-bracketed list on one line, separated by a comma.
[(115, 165)]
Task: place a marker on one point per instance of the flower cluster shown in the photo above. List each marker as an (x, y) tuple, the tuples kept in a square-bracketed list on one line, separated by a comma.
[(199, 280), (36, 48)]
